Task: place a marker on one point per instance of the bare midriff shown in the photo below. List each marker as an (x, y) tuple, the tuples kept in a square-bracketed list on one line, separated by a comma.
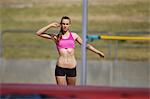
[(66, 58)]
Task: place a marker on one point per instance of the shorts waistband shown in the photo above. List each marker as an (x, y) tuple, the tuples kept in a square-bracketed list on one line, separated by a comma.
[(65, 68)]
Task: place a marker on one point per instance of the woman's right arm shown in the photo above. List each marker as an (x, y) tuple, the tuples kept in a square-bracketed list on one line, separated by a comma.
[(41, 32)]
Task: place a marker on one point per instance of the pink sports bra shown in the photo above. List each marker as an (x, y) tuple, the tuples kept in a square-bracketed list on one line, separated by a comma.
[(66, 43)]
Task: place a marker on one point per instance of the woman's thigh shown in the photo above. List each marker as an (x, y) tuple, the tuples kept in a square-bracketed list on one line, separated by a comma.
[(71, 80), (61, 80)]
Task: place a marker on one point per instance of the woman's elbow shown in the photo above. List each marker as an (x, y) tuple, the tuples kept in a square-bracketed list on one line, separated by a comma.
[(38, 33), (88, 46)]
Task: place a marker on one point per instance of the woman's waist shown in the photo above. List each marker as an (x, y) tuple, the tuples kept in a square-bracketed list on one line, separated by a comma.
[(66, 56), (66, 62), (66, 67)]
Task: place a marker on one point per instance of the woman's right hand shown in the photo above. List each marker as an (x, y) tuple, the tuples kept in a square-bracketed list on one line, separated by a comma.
[(55, 24)]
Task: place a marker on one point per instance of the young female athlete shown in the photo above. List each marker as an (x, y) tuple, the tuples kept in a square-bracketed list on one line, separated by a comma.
[(65, 71)]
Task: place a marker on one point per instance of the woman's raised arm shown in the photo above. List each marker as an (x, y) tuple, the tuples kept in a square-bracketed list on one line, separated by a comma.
[(42, 32)]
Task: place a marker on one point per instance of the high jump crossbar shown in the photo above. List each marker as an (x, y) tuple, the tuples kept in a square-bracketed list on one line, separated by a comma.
[(105, 37)]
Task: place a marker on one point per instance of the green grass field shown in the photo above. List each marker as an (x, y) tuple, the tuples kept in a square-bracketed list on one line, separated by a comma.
[(104, 15)]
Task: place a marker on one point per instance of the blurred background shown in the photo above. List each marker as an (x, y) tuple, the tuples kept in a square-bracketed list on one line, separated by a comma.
[(27, 58)]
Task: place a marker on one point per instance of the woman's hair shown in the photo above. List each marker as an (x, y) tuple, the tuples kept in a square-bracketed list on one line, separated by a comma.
[(61, 31), (65, 17)]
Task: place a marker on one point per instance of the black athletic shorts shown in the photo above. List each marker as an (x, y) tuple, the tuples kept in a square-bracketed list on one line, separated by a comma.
[(59, 71)]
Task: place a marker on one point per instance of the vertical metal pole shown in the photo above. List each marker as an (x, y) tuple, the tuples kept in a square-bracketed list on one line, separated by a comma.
[(0, 39), (115, 62), (116, 53), (0, 47), (0, 44), (84, 31), (2, 69)]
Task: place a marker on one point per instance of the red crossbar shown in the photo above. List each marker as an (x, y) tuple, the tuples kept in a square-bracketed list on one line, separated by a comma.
[(79, 92)]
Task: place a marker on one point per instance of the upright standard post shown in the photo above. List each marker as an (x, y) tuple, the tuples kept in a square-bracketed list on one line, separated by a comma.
[(84, 31)]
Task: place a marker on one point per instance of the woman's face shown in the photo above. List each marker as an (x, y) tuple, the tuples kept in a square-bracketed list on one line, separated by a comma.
[(65, 24)]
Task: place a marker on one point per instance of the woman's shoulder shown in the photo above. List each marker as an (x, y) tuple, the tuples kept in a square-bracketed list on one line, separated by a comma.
[(75, 35), (54, 36)]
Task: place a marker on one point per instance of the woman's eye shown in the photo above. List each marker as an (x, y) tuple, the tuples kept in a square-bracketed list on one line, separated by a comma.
[(65, 23)]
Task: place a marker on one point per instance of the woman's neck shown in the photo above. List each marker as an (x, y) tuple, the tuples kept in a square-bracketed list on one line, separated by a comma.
[(65, 32)]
